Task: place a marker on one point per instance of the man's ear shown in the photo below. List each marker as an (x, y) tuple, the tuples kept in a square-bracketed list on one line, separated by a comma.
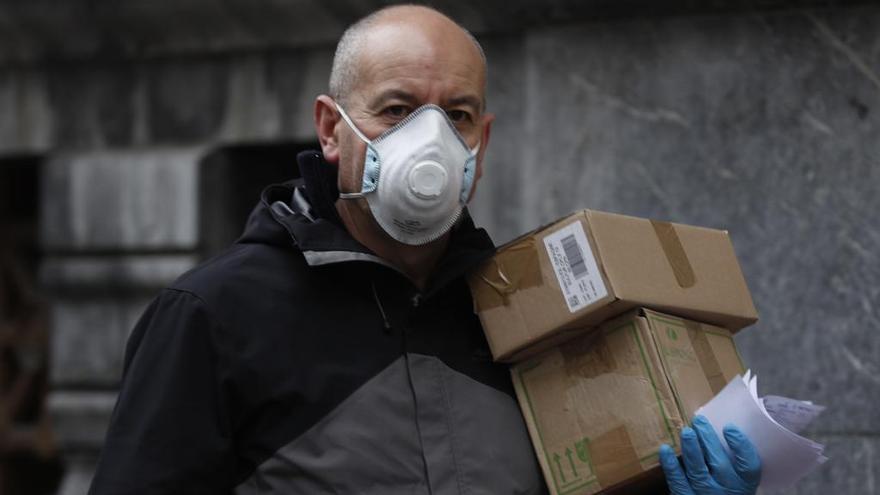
[(484, 142), (484, 145), (326, 118)]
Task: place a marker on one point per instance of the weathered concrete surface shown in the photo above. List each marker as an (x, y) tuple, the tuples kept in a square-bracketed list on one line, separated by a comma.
[(113, 200), (80, 418), (751, 124), (39, 29), (25, 112), (89, 337), (119, 224), (113, 273), (97, 301), (853, 469), (166, 102), (80, 422), (495, 205), (763, 125), (78, 474)]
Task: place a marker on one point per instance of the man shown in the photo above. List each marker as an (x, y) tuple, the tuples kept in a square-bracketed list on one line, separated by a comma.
[(333, 348)]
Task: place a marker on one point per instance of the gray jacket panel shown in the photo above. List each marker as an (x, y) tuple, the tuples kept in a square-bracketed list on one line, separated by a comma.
[(417, 427)]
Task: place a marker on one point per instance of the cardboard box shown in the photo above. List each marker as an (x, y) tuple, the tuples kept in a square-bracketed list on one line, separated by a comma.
[(599, 406), (548, 285)]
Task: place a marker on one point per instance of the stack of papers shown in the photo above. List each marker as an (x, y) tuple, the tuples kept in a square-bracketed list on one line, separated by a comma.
[(772, 424)]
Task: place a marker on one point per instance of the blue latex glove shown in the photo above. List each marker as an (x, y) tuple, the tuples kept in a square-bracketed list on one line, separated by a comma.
[(708, 470)]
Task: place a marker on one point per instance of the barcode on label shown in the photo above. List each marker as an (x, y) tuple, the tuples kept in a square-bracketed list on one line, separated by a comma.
[(574, 255), (575, 266)]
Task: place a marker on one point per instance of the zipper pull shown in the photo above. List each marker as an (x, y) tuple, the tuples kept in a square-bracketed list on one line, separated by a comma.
[(381, 309), (416, 300)]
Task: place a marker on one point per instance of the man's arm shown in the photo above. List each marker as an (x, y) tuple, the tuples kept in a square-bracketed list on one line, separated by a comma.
[(170, 431), (708, 470)]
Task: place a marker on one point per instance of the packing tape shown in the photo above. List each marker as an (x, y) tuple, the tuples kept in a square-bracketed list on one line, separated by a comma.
[(650, 482), (675, 255), (614, 457), (514, 268), (708, 361)]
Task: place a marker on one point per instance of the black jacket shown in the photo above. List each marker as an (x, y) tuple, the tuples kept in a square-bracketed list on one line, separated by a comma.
[(298, 362)]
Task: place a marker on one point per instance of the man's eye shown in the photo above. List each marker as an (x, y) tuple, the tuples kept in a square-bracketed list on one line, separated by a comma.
[(458, 116), (397, 111)]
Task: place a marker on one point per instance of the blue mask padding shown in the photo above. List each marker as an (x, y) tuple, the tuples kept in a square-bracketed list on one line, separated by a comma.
[(470, 169), (372, 168)]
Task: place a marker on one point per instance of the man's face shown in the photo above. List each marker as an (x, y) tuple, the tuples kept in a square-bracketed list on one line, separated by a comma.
[(401, 68)]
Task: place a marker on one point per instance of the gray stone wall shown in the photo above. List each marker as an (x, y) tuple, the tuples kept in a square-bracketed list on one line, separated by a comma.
[(117, 225), (187, 100), (761, 122), (765, 125)]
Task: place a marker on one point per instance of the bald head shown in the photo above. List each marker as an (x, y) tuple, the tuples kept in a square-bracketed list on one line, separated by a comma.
[(429, 23)]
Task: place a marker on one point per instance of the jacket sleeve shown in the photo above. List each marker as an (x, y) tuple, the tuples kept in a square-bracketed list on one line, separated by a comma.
[(170, 429)]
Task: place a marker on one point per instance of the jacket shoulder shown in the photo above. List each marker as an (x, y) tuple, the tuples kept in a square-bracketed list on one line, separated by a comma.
[(242, 273)]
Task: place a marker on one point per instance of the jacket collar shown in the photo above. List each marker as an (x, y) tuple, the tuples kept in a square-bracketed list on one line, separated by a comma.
[(303, 213)]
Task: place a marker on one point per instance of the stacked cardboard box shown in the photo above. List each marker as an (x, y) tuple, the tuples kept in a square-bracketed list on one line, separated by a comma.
[(601, 380)]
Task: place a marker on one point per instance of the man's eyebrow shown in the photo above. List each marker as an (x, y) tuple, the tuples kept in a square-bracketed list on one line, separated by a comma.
[(407, 97), (469, 100), (393, 94)]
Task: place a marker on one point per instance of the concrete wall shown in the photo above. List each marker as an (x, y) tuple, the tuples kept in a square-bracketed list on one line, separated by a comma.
[(761, 122), (765, 125)]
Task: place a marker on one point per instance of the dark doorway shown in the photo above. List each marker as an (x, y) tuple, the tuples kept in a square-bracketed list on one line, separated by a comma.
[(231, 179), (29, 460), (19, 208)]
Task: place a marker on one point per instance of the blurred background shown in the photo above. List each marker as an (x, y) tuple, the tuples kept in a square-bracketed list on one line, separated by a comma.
[(135, 137)]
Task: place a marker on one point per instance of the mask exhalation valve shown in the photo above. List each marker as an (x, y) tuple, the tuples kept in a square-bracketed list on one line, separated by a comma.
[(427, 179)]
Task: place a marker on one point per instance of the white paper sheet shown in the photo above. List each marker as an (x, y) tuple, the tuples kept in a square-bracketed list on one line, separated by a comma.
[(786, 456), (793, 415)]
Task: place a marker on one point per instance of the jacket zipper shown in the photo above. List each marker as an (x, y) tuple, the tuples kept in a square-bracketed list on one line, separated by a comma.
[(415, 301)]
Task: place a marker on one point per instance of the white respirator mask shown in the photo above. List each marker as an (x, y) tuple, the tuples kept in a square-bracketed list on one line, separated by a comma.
[(417, 175)]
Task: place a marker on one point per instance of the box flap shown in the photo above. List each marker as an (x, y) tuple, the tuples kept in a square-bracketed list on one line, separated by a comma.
[(692, 354), (680, 269), (512, 269)]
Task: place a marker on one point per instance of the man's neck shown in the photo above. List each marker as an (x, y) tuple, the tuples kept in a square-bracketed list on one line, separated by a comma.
[(416, 262)]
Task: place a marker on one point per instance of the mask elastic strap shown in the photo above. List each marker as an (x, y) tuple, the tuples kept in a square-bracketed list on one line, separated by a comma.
[(348, 121), (356, 195)]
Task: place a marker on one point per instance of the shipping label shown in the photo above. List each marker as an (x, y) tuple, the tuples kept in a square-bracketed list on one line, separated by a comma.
[(575, 266)]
